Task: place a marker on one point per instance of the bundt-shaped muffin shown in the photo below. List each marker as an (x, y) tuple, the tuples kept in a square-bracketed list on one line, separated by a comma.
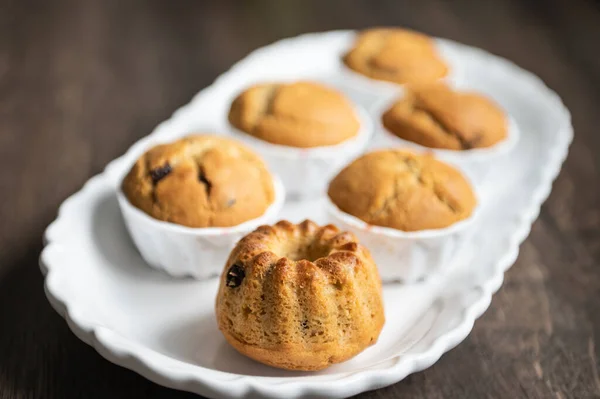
[(300, 297)]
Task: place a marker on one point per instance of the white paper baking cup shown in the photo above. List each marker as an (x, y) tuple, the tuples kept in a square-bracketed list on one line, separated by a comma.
[(185, 251), (306, 171), (350, 78), (407, 256), (476, 162)]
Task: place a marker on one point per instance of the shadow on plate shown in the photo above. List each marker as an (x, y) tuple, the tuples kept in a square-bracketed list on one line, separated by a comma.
[(114, 243), (199, 342)]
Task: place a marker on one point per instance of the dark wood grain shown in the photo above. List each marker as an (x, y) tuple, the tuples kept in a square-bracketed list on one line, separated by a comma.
[(81, 80)]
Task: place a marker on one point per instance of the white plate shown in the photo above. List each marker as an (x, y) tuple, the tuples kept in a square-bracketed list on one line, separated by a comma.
[(164, 328)]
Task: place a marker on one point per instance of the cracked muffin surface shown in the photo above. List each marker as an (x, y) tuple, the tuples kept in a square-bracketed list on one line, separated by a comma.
[(403, 190), (436, 116), (200, 181), (397, 55), (300, 114)]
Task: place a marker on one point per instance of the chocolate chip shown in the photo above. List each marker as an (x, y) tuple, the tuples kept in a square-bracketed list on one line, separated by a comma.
[(305, 325), (235, 276), (231, 202), (469, 144), (159, 173)]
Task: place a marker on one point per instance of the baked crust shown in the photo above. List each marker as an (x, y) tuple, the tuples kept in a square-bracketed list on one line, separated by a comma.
[(436, 116), (301, 114), (200, 181), (300, 297), (396, 55), (402, 190)]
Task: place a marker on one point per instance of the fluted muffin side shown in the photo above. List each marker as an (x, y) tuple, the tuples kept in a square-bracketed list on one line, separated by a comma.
[(300, 297)]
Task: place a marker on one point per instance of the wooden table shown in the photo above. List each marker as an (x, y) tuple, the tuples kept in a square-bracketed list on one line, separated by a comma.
[(82, 80)]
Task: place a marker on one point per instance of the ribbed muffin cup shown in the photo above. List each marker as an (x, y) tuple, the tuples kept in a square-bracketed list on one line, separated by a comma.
[(407, 256), (476, 162), (184, 251), (306, 171)]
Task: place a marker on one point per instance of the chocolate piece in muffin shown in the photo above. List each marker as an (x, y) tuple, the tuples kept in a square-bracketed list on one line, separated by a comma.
[(200, 181), (402, 190), (301, 114), (396, 55), (436, 116)]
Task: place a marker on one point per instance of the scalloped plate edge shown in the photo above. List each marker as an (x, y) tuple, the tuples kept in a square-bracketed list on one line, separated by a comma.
[(127, 356)]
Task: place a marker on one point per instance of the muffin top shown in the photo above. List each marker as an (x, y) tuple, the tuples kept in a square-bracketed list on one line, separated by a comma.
[(396, 55), (200, 181), (438, 117), (301, 114), (402, 190)]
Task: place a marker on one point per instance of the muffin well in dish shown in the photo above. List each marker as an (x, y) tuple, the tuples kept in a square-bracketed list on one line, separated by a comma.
[(305, 131), (409, 209), (187, 203)]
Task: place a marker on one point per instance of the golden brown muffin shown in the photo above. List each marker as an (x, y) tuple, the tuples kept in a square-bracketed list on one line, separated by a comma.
[(396, 55), (301, 114), (402, 190), (300, 297), (200, 181), (436, 116)]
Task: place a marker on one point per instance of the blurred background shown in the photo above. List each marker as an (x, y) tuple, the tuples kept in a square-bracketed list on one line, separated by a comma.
[(81, 80)]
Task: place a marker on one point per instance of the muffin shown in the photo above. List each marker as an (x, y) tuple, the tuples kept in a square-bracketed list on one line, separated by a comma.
[(396, 55), (437, 116), (200, 181), (305, 131), (412, 211), (403, 190), (300, 297), (301, 114), (187, 203)]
